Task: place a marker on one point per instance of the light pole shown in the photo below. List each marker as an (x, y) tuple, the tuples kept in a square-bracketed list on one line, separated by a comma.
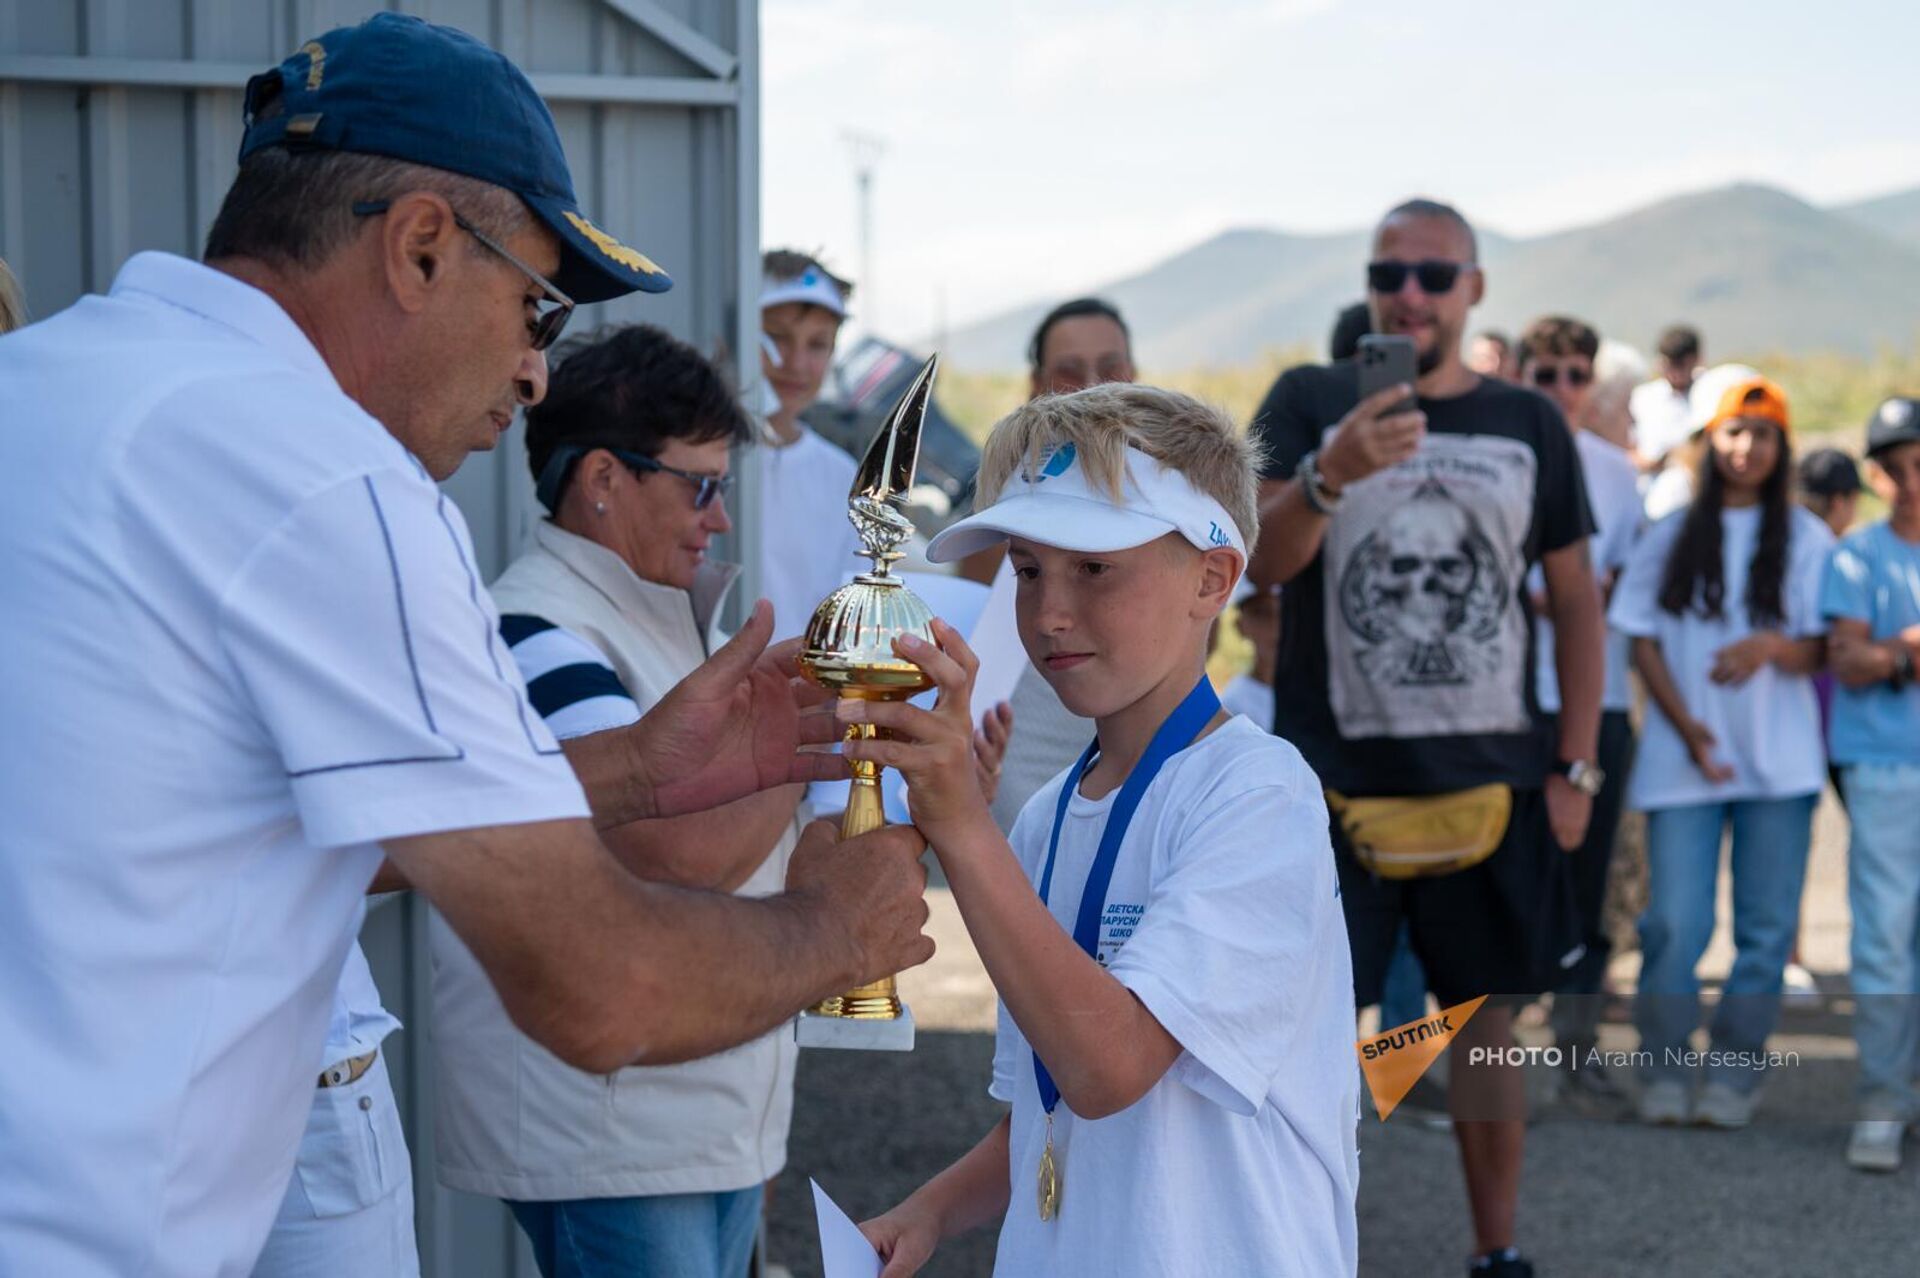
[(866, 149)]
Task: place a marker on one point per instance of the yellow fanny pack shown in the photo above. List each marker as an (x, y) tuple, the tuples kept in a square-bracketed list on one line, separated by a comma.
[(1414, 838)]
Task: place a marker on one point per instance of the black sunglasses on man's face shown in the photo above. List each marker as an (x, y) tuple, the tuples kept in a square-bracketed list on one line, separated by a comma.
[(1435, 275), (1546, 375), (544, 328)]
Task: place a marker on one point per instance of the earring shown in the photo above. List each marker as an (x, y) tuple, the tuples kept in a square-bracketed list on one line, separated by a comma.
[(599, 508)]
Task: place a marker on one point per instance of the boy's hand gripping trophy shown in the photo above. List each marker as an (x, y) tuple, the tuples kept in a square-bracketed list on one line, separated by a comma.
[(849, 650)]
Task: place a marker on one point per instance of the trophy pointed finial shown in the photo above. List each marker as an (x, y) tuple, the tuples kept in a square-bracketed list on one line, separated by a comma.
[(886, 473)]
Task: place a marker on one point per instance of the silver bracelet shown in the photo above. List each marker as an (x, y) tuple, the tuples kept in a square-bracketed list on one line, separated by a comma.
[(1319, 500)]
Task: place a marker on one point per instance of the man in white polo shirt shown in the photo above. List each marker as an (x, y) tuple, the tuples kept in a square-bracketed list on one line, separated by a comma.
[(246, 651)]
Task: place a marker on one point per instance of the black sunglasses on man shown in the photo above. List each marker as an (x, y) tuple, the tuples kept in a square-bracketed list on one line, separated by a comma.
[(1435, 275), (545, 327)]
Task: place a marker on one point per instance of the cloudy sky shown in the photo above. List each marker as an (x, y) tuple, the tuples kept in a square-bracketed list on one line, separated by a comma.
[(1040, 147)]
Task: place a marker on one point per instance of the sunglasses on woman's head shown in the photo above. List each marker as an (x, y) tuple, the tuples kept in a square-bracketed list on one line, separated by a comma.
[(1435, 275), (1548, 375)]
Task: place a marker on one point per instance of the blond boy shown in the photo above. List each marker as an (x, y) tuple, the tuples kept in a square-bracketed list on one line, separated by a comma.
[(1161, 924)]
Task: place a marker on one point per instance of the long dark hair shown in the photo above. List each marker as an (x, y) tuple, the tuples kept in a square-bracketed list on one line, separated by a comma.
[(1694, 578)]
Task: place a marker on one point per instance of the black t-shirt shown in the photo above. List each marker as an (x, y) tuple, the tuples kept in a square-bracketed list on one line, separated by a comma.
[(1406, 662)]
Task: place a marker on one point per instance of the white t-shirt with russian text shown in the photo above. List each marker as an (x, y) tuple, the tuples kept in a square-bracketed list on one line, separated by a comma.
[(1223, 918), (1767, 729)]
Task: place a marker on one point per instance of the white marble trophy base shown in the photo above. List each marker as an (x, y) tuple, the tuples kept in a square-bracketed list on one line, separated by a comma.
[(848, 1034)]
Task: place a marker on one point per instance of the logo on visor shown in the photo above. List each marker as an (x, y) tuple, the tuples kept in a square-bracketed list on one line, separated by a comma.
[(1058, 463), (1215, 536)]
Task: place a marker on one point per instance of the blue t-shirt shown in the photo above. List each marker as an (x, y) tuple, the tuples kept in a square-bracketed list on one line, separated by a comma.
[(1874, 577)]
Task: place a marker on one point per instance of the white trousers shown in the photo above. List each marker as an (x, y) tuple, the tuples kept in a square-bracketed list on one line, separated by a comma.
[(349, 1206)]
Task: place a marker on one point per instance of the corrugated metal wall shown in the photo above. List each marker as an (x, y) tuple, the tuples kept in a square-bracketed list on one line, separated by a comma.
[(119, 122)]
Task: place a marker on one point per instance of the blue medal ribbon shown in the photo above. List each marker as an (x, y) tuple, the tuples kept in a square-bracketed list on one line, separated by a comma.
[(1180, 730)]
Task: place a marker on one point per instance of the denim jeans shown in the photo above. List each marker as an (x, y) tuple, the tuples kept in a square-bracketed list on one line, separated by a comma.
[(671, 1235), (1403, 994), (1770, 839), (1883, 892)]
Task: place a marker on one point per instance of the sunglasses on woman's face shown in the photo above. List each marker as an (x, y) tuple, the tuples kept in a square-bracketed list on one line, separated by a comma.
[(705, 487), (1547, 375), (1435, 275)]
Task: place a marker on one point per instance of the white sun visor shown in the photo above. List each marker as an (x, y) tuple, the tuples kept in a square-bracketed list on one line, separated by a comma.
[(1057, 506), (810, 286)]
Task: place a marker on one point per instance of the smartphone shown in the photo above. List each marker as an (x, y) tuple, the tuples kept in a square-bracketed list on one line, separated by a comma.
[(1386, 361)]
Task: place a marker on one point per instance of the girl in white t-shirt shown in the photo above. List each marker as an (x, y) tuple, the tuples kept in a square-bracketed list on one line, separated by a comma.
[(1163, 923), (1721, 599)]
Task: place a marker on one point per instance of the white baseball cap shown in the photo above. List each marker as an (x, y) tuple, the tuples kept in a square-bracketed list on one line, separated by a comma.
[(1703, 400), (1057, 505), (811, 286)]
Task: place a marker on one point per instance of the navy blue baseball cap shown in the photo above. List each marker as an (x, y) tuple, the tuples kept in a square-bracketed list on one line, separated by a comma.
[(410, 90)]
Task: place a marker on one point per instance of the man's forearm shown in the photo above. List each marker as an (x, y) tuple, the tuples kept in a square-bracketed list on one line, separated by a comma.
[(606, 970), (1579, 649), (1290, 533), (699, 971), (713, 851), (1579, 653), (613, 773)]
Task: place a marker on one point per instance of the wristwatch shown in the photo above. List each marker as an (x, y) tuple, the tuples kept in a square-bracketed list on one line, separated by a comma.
[(1320, 498), (1585, 777), (1902, 668)]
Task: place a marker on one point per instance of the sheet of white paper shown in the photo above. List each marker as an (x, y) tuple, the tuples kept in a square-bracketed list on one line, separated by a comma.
[(995, 639), (844, 1250)]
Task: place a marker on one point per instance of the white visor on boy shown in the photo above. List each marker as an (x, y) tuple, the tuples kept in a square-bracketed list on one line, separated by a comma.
[(810, 286), (1057, 506)]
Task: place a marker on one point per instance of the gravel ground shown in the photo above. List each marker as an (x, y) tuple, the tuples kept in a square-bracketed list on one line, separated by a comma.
[(1601, 1197)]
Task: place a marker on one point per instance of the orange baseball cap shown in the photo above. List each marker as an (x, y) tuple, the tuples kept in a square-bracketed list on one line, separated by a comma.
[(1752, 397)]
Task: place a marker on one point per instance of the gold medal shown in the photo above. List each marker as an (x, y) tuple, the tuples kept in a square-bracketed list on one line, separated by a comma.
[(1049, 1178)]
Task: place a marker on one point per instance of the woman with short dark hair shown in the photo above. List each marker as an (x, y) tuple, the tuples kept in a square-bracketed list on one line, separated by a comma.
[(653, 1169)]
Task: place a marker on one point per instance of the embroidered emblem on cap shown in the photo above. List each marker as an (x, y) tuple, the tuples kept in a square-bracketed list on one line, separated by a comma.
[(1215, 536), (1896, 412), (316, 63), (609, 247)]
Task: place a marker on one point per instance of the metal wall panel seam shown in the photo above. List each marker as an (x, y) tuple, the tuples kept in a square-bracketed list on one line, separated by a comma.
[(746, 280), (13, 145), (177, 73)]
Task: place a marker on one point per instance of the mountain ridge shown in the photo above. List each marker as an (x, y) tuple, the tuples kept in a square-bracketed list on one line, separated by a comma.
[(1756, 268)]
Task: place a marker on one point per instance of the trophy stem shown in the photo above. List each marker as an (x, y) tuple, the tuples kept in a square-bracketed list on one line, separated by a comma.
[(866, 811)]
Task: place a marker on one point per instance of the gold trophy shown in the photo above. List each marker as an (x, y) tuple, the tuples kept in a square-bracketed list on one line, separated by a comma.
[(849, 651)]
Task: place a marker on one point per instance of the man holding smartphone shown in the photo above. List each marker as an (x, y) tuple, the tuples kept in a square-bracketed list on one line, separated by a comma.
[(1403, 523)]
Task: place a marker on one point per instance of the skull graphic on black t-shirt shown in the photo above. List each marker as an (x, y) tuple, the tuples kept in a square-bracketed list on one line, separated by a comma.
[(1423, 594)]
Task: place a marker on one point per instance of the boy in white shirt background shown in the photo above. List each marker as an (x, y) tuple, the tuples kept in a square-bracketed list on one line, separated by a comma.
[(1557, 355), (1176, 1000), (807, 545)]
